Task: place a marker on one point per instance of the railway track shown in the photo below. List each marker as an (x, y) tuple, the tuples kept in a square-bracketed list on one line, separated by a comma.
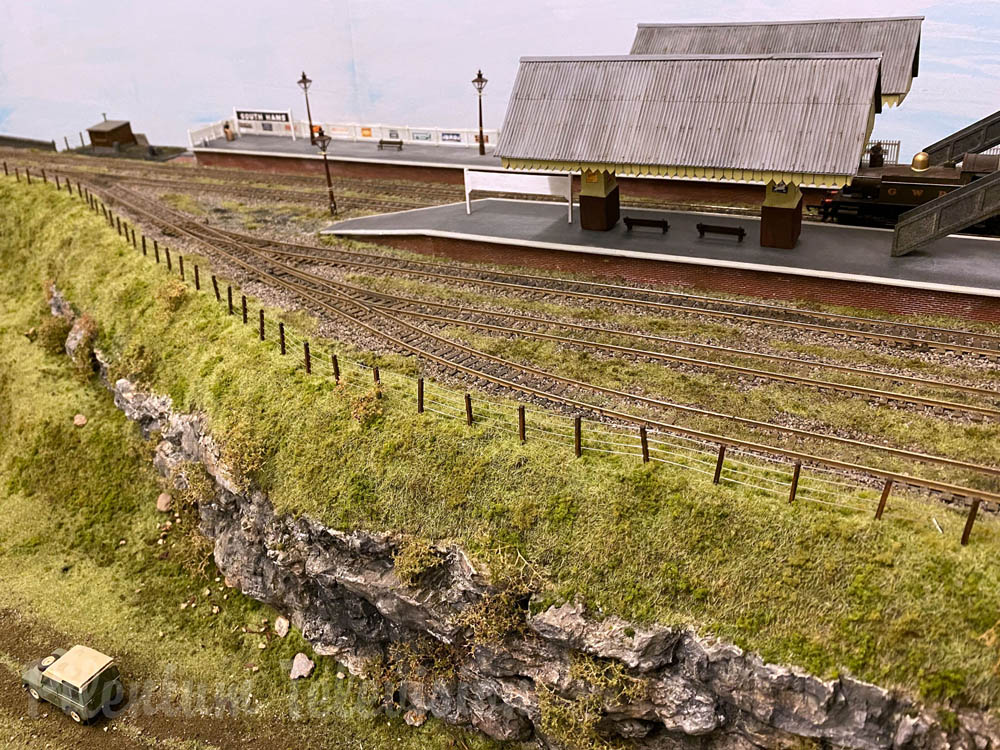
[(682, 343), (346, 304), (428, 192), (933, 338)]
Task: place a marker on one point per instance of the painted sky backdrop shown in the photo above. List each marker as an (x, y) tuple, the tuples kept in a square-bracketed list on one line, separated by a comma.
[(168, 66)]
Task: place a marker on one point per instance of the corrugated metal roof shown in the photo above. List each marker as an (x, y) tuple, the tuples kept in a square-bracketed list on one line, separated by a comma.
[(898, 39), (770, 113)]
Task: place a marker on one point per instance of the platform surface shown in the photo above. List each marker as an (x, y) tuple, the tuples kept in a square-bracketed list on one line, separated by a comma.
[(412, 154), (956, 263)]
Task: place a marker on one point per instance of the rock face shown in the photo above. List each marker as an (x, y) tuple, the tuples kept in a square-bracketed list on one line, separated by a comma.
[(649, 687)]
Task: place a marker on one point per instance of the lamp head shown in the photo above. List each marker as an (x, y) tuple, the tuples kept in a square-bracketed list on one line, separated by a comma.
[(322, 140), (479, 82), (304, 81)]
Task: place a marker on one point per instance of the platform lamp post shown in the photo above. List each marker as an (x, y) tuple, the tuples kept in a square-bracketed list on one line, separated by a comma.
[(304, 83), (480, 83), (322, 141)]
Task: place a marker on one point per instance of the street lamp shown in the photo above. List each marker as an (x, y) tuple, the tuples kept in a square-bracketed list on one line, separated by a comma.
[(480, 83), (304, 82), (322, 140)]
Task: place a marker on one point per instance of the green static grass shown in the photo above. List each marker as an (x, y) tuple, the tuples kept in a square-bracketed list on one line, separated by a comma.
[(824, 588), (71, 495)]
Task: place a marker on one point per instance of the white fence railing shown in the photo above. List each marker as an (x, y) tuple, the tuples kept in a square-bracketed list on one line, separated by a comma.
[(359, 132), (519, 182), (202, 135)]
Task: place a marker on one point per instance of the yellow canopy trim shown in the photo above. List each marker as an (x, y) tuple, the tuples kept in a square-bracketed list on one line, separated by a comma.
[(717, 174)]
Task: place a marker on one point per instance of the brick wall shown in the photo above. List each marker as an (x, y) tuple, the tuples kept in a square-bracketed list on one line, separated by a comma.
[(677, 191), (777, 286)]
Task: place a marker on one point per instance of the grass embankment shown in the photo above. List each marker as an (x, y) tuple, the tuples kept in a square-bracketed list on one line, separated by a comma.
[(81, 555), (825, 588)]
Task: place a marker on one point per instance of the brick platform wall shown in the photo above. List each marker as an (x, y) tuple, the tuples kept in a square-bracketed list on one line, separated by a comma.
[(675, 191), (777, 286), (362, 170)]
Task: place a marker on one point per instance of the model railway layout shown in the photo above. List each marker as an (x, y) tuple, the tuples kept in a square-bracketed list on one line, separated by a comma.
[(417, 327)]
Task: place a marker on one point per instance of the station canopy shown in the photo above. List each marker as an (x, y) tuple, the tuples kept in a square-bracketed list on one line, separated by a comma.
[(897, 39), (800, 119)]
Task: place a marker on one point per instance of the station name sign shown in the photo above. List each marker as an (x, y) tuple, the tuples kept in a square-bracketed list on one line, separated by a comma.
[(261, 116)]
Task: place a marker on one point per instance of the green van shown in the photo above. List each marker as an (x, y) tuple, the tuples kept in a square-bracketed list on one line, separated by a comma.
[(81, 682)]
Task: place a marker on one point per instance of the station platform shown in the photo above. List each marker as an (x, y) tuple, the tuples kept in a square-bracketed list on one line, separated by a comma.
[(441, 164), (413, 155), (852, 266)]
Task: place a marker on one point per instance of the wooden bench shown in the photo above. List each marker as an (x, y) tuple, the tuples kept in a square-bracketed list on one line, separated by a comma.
[(720, 229), (633, 222), (398, 145)]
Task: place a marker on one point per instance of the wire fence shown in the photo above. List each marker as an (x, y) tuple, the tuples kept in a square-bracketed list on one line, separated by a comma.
[(772, 476)]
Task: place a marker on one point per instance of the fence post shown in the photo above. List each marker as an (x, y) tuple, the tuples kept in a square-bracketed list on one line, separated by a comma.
[(58, 185), (468, 409), (970, 521), (336, 368), (17, 173), (420, 395), (229, 298), (795, 481), (215, 286), (166, 252), (644, 442), (882, 501), (718, 463), (578, 436), (243, 307), (180, 259), (5, 172), (27, 173), (197, 279), (520, 424), (143, 244), (135, 245), (118, 221), (156, 250), (79, 190), (281, 336), (261, 322), (305, 345), (44, 178)]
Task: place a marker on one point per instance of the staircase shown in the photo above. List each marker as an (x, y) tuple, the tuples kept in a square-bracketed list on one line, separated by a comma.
[(975, 139), (958, 210)]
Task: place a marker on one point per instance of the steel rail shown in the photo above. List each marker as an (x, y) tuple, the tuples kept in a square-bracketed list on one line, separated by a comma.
[(309, 294), (927, 401), (871, 393), (681, 295), (395, 265)]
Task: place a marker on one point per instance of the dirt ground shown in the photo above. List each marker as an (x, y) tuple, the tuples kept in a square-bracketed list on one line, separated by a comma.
[(25, 723)]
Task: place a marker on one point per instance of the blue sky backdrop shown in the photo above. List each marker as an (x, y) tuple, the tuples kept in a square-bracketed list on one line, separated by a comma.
[(167, 66)]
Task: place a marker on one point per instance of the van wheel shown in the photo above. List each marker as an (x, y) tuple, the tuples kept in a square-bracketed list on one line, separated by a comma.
[(34, 694), (75, 717)]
